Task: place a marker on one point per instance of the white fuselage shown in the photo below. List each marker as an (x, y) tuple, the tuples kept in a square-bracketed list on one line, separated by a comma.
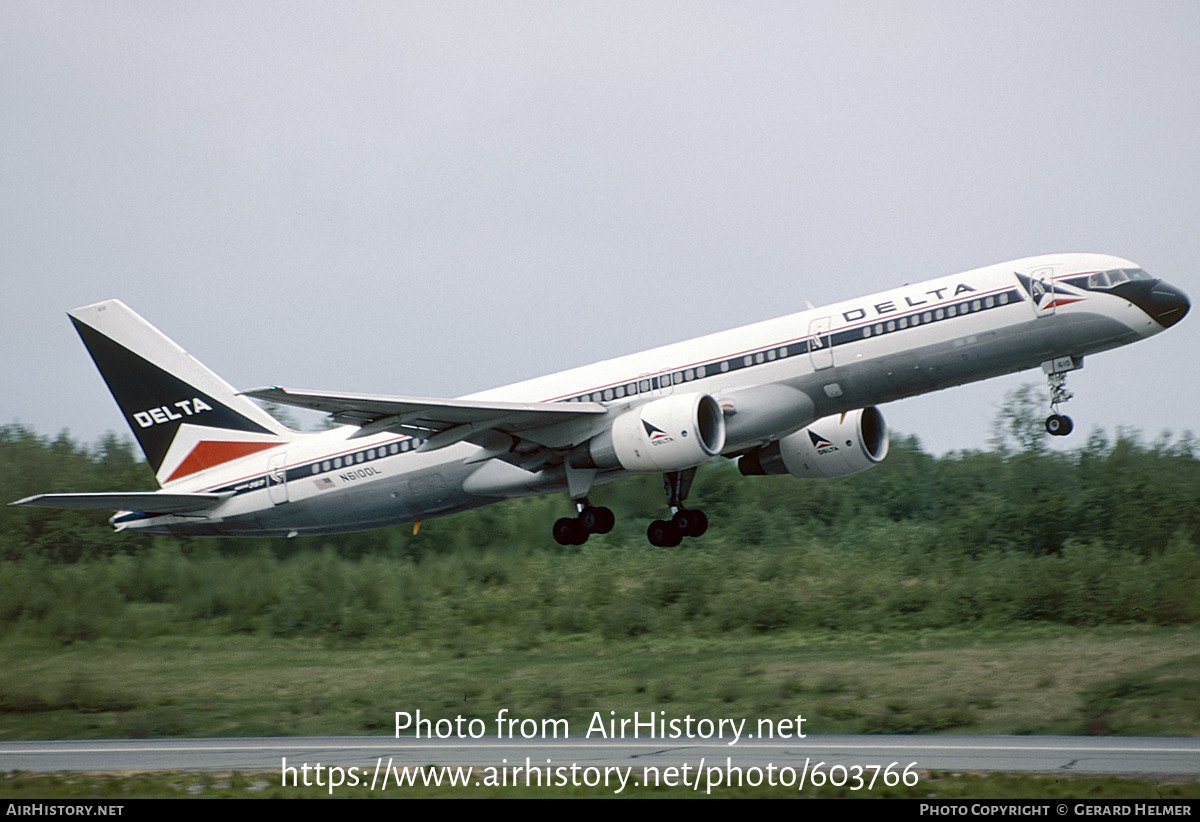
[(862, 352)]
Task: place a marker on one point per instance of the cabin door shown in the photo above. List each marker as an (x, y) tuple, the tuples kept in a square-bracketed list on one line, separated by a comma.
[(1041, 284), (277, 479), (819, 349)]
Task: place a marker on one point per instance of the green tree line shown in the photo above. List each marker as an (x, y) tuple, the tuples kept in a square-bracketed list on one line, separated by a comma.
[(1103, 534)]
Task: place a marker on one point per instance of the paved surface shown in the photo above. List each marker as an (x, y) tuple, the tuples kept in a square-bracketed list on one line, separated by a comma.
[(1109, 755)]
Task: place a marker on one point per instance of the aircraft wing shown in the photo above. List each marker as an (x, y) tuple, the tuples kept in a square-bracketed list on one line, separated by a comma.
[(145, 502), (439, 422)]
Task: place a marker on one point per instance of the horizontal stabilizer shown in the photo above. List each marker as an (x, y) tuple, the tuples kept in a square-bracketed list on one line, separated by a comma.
[(145, 502)]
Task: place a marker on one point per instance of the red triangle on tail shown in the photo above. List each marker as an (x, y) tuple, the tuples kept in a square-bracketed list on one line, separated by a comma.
[(208, 453)]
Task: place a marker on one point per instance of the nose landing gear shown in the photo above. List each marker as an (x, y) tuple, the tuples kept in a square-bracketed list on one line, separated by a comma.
[(1059, 425)]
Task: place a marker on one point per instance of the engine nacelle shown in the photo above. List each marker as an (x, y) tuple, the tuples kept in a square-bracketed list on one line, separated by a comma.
[(670, 434), (836, 446)]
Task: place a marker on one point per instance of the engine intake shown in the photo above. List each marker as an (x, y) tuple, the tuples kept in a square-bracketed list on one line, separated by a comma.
[(669, 434), (836, 446)]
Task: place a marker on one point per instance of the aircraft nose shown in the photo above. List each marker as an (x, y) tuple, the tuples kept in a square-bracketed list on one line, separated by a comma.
[(1167, 304)]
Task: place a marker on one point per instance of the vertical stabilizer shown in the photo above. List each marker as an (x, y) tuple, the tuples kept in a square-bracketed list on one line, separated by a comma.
[(185, 417)]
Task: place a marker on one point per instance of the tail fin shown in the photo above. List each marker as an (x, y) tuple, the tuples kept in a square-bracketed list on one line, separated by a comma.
[(184, 416)]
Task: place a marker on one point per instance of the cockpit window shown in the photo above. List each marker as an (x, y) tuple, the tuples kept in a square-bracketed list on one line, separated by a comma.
[(1110, 279)]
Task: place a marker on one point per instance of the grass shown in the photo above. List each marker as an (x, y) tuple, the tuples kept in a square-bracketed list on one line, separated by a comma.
[(1046, 679)]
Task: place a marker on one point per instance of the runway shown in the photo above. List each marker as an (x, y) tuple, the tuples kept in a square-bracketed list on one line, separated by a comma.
[(1170, 757)]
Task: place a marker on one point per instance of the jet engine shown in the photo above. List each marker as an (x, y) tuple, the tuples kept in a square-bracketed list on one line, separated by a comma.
[(670, 434), (836, 446)]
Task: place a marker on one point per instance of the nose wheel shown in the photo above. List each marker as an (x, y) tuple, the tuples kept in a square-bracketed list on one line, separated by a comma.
[(1059, 425)]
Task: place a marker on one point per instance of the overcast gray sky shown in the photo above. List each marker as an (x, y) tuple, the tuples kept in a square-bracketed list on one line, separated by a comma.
[(436, 198)]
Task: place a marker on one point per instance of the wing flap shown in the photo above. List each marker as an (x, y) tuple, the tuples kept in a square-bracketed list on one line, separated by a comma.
[(146, 502)]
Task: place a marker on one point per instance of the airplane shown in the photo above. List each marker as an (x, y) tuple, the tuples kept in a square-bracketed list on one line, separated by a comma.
[(796, 395)]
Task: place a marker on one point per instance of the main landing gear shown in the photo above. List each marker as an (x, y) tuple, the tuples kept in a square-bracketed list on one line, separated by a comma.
[(1057, 424), (684, 522), (590, 520)]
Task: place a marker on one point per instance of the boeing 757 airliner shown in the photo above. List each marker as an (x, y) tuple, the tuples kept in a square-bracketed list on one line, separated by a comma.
[(795, 395)]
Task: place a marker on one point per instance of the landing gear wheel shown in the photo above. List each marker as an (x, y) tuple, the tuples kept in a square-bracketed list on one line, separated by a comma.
[(685, 522), (1059, 425), (663, 534), (591, 519), (570, 531), (597, 520), (690, 522)]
